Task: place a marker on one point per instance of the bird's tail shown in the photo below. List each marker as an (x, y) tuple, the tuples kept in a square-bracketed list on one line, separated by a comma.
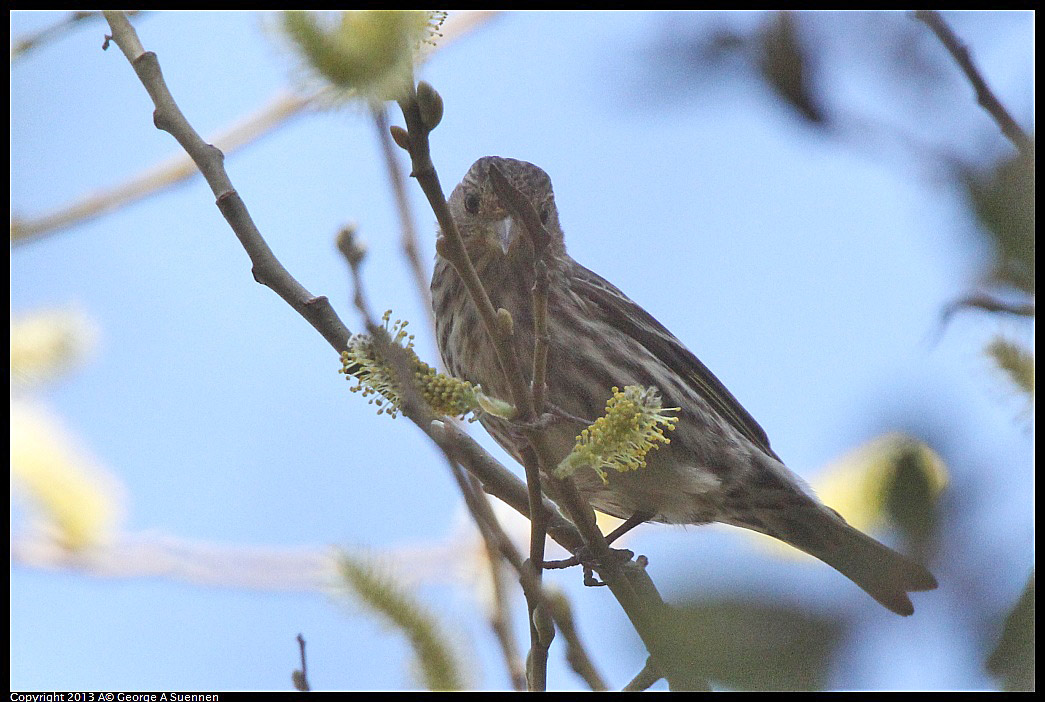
[(880, 571)]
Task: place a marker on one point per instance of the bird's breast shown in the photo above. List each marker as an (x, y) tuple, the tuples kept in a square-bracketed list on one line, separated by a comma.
[(467, 350)]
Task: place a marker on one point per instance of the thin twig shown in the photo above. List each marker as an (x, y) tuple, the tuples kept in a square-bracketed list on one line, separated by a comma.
[(427, 177), (636, 593), (551, 605), (631, 586), (267, 269), (984, 95), (576, 653), (497, 480), (301, 675), (538, 531), (410, 401), (629, 583), (414, 406), (522, 209), (500, 616), (539, 383), (408, 238), (512, 491), (988, 303), (501, 337)]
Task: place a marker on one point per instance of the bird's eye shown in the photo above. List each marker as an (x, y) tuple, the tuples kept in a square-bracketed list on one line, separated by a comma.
[(544, 215), (471, 203)]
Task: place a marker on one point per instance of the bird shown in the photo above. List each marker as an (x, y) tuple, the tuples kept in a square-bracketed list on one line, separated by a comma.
[(718, 465)]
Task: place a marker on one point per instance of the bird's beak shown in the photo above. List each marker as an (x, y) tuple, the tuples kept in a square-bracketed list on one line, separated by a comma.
[(503, 229)]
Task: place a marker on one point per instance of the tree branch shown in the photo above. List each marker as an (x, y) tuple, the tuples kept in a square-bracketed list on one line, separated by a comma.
[(408, 237), (645, 679), (540, 607), (453, 249), (496, 479), (500, 618), (267, 269), (984, 95), (522, 210), (629, 583), (551, 606)]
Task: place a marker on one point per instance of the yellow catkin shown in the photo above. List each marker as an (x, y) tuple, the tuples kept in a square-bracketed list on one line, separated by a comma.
[(634, 423)]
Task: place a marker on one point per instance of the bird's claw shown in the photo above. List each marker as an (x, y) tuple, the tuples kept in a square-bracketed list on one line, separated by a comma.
[(588, 563)]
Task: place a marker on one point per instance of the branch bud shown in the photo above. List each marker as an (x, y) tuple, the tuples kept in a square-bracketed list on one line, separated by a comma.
[(430, 103), (400, 136)]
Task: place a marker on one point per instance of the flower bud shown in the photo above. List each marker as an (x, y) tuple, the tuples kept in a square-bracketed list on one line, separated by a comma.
[(430, 104)]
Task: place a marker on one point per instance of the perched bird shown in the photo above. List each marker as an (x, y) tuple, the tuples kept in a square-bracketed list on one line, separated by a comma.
[(718, 466)]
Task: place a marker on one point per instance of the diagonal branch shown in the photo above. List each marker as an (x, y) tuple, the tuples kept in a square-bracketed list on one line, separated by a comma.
[(629, 583), (984, 95), (540, 604), (497, 324), (159, 177), (496, 479), (454, 251), (267, 269), (408, 236), (522, 210)]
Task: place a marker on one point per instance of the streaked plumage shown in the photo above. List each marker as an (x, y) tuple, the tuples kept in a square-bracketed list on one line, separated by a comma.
[(719, 466)]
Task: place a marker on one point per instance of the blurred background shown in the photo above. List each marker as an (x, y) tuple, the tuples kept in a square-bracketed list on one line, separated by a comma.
[(814, 203)]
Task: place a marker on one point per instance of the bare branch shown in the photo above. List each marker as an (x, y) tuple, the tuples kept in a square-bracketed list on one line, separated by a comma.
[(300, 676), (454, 251), (629, 582), (576, 654), (500, 617), (522, 210), (497, 480), (548, 605), (540, 606), (267, 269), (417, 144), (408, 237), (501, 483), (987, 303), (984, 95)]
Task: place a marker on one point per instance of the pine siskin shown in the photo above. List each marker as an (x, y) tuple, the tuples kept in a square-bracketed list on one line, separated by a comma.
[(718, 466)]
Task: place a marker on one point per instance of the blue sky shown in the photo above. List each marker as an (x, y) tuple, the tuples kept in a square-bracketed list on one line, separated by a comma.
[(807, 273)]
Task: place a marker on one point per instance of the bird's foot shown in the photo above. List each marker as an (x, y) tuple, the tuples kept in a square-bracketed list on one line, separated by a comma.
[(589, 565)]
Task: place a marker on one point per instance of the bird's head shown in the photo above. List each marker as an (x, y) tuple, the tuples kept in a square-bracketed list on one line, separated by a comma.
[(485, 223)]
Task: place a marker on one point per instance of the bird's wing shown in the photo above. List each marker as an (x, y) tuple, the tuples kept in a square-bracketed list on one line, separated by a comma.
[(619, 311)]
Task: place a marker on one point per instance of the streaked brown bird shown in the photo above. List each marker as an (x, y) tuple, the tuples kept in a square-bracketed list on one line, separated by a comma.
[(718, 467)]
